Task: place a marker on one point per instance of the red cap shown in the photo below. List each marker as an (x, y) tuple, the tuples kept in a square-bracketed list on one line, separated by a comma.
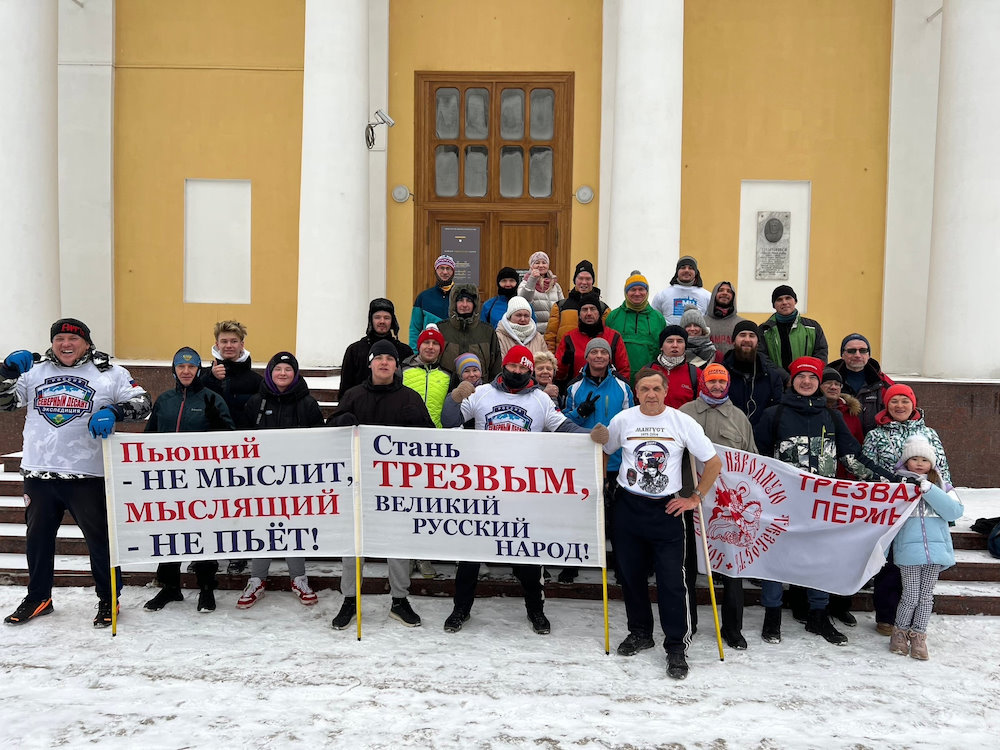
[(806, 364), (430, 332), (899, 390), (520, 355)]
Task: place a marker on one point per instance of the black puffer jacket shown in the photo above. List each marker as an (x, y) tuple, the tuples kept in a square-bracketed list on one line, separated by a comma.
[(240, 383), (392, 405), (191, 409), (295, 407)]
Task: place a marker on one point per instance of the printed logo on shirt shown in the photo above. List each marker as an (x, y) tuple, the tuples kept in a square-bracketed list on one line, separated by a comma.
[(680, 303), (651, 462), (508, 418), (63, 398)]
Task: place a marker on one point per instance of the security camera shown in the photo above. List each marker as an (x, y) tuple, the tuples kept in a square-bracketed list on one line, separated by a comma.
[(383, 117)]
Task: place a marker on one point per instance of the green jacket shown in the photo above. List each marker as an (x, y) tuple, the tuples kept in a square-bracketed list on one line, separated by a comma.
[(806, 339), (641, 333), (430, 382)]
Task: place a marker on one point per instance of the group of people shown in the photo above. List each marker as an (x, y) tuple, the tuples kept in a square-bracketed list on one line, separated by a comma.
[(656, 381)]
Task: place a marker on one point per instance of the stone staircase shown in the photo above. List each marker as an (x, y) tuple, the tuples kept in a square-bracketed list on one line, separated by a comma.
[(972, 586)]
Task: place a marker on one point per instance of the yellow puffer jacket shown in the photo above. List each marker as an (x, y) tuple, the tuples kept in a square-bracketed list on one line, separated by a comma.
[(430, 382)]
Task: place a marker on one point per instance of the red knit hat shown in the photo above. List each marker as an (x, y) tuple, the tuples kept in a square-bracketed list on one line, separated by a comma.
[(430, 332), (520, 355), (806, 364), (899, 390)]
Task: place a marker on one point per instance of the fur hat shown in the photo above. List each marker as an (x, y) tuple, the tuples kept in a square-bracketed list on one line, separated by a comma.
[(381, 304)]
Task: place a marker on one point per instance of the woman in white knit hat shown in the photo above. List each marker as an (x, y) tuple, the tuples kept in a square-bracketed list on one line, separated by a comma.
[(517, 327)]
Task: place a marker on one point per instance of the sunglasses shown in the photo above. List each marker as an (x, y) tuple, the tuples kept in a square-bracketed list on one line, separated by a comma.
[(856, 351)]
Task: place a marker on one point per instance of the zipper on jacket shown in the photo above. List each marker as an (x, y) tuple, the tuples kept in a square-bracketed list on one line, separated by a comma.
[(180, 411)]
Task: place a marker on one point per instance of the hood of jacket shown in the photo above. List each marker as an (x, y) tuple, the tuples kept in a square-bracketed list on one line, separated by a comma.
[(851, 404), (711, 303), (477, 305)]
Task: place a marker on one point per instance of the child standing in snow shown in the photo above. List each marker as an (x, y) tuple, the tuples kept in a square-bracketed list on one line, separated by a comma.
[(922, 548)]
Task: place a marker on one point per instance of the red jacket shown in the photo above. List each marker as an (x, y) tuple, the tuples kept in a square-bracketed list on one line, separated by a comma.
[(682, 383), (571, 353)]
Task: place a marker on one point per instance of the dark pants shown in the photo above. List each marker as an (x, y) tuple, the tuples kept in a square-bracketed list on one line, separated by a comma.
[(888, 589), (169, 574), (645, 535), (732, 603), (467, 578), (47, 501), (691, 567)]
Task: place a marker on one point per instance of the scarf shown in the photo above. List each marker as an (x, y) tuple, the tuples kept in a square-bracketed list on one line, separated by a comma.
[(637, 308), (713, 401), (520, 333), (670, 362), (591, 329)]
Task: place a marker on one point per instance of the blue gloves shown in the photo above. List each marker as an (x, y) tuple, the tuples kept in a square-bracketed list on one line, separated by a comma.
[(102, 424), (18, 363)]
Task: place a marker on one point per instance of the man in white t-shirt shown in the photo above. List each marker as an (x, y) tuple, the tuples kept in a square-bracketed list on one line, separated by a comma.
[(648, 514)]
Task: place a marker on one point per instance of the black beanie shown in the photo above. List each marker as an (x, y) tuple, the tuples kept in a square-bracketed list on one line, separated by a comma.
[(283, 358), (830, 374), (584, 265), (383, 346), (70, 325), (673, 330), (781, 291), (746, 325)]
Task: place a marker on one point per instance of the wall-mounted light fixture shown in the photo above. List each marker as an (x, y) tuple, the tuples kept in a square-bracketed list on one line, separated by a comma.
[(401, 194), (584, 194)]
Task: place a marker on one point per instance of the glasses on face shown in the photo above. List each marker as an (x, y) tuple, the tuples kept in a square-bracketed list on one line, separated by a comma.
[(856, 351)]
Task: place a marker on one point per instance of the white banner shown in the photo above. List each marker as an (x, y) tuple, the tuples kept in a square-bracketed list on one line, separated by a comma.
[(208, 495), (486, 496), (766, 519)]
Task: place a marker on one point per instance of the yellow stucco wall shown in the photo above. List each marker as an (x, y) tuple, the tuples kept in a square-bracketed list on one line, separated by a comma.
[(208, 90), (513, 36), (792, 90)]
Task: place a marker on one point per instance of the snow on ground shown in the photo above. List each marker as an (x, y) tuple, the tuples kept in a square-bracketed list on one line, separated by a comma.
[(278, 676)]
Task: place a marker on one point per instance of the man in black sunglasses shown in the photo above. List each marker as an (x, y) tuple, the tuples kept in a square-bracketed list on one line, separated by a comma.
[(863, 377)]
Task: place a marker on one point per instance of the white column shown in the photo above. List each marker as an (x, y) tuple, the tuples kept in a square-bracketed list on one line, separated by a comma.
[(333, 213), (645, 214), (29, 180), (965, 234)]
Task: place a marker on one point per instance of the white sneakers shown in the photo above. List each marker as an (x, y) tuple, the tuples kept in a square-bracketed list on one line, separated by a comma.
[(300, 587), (251, 594)]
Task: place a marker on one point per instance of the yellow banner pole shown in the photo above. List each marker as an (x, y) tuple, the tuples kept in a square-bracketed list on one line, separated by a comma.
[(114, 601), (357, 584), (607, 631), (711, 583)]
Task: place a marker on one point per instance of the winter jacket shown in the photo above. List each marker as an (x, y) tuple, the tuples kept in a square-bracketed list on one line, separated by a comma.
[(430, 306), (805, 337), (803, 432), (392, 405), (494, 309), (870, 394), (564, 316), (613, 396), (682, 383), (571, 353), (191, 409), (884, 444), (276, 411), (469, 334), (541, 302), (641, 332), (850, 409), (430, 382), (925, 538), (506, 341), (240, 383), (754, 390), (354, 370), (723, 424), (722, 325)]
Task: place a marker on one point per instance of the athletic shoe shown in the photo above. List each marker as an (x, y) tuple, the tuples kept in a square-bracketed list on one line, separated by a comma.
[(634, 643), (426, 569), (734, 639), (163, 597), (899, 642), (539, 622), (206, 600), (819, 623), (29, 609), (346, 613), (253, 593), (455, 621), (236, 567), (300, 587), (677, 666), (402, 611), (103, 617), (918, 645)]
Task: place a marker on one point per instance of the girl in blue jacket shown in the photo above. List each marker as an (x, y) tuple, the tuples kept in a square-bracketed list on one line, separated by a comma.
[(922, 548)]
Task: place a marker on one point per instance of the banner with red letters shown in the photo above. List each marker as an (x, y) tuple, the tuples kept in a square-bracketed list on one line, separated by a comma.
[(768, 520)]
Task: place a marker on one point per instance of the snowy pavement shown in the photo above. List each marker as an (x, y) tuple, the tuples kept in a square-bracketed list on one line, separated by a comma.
[(278, 676)]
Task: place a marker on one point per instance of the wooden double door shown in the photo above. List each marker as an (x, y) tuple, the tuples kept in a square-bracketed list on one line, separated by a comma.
[(493, 169)]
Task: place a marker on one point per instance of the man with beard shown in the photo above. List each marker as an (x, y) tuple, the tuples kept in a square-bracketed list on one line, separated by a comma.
[(564, 315), (382, 325), (685, 289), (755, 384), (431, 305), (649, 509), (722, 317), (571, 352), (511, 402), (863, 377), (464, 332)]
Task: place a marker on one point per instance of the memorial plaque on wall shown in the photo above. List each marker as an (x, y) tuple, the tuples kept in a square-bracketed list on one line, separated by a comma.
[(462, 244), (772, 245)]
